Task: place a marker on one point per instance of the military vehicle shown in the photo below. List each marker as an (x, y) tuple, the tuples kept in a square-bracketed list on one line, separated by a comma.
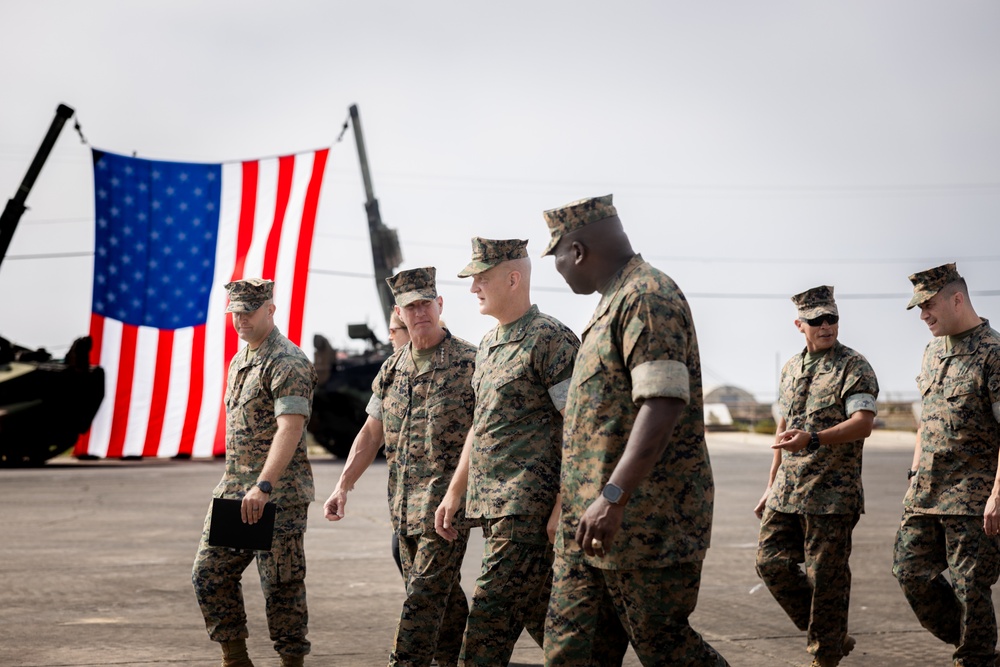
[(45, 405), (345, 380)]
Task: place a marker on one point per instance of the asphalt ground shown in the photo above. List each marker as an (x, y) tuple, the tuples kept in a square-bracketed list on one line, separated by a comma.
[(95, 563)]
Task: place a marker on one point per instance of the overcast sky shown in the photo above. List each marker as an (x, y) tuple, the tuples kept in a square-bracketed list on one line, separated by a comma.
[(754, 149)]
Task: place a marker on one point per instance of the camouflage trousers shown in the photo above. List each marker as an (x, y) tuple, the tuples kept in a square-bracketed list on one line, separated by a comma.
[(959, 612), (816, 599), (217, 573), (652, 608), (512, 591), (435, 611)]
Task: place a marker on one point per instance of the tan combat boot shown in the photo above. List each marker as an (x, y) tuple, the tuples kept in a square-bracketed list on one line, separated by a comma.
[(234, 654), (833, 662), (292, 661)]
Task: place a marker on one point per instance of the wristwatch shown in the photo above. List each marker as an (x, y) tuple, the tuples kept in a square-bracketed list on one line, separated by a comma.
[(615, 494), (910, 473), (265, 486), (813, 442)]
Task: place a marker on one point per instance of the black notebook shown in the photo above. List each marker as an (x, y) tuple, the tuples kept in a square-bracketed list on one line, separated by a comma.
[(228, 530)]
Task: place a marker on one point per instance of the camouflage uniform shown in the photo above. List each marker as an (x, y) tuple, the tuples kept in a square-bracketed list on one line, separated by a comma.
[(942, 524), (522, 373), (274, 380), (816, 497), (639, 344), (425, 419)]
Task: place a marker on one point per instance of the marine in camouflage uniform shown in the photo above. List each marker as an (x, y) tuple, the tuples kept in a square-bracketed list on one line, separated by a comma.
[(510, 466), (951, 512), (421, 406), (814, 495), (636, 483), (269, 393)]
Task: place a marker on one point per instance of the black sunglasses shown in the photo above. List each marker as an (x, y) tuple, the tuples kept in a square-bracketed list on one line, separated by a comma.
[(823, 319)]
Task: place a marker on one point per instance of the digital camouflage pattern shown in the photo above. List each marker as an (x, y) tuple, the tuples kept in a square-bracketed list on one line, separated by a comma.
[(413, 285), (959, 611), (514, 462), (575, 215), (246, 296), (425, 419), (435, 610), (487, 253), (959, 433), (274, 380), (512, 592), (815, 302), (654, 603), (817, 597), (814, 399), (641, 330), (928, 283), (277, 379)]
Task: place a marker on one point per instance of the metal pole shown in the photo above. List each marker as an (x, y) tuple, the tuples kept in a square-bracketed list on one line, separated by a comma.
[(15, 207)]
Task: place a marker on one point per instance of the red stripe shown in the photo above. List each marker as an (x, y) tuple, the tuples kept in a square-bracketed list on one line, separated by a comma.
[(248, 208), (286, 168), (195, 390), (97, 338), (161, 385), (301, 274), (123, 390)]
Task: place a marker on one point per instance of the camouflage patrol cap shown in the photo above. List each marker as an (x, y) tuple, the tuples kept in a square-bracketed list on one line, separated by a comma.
[(413, 285), (246, 296), (487, 253), (815, 302), (928, 283), (575, 215)]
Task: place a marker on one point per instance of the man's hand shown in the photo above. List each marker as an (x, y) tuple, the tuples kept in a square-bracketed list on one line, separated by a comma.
[(445, 515), (333, 508), (759, 509), (991, 517), (600, 522), (252, 507), (793, 440)]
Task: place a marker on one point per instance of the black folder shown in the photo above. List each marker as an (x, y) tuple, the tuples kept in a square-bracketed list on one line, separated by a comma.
[(228, 530)]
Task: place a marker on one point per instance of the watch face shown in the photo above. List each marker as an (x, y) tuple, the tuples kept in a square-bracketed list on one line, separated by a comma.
[(264, 486), (612, 493)]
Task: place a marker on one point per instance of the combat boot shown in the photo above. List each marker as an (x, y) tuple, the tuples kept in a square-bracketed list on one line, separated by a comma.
[(293, 660), (831, 661), (234, 654)]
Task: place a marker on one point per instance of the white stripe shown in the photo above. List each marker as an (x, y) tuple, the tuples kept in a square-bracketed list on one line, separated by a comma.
[(100, 430), (177, 393), (142, 391)]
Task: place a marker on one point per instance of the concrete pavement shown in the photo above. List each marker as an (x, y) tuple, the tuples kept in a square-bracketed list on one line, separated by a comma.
[(95, 568)]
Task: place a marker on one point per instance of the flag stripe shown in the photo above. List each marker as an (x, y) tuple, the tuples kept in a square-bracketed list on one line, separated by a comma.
[(286, 166), (123, 393), (161, 389), (304, 249)]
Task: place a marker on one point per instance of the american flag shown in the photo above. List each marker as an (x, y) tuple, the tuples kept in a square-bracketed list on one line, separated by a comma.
[(169, 236)]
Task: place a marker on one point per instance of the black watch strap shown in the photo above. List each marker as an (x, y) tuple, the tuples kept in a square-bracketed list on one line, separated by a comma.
[(910, 473)]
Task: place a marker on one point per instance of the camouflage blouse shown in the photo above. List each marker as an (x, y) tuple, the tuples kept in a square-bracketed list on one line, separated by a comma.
[(275, 380), (514, 464), (425, 419), (959, 430), (816, 398), (639, 344)]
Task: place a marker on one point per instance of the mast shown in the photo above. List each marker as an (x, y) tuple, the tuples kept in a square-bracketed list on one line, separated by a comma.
[(15, 207), (386, 254)]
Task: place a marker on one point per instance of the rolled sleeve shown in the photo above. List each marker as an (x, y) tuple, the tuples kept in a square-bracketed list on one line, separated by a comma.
[(559, 392), (857, 402), (374, 407), (291, 405), (661, 379)]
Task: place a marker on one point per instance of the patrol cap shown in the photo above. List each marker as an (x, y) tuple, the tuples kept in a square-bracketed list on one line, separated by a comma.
[(928, 283), (246, 296), (487, 253), (575, 215), (815, 302), (413, 285)]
